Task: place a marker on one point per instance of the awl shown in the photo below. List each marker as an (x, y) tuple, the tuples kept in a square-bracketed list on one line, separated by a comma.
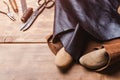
[(14, 5)]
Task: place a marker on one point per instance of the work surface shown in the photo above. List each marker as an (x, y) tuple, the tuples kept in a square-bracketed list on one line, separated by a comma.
[(27, 56), (10, 31), (36, 62)]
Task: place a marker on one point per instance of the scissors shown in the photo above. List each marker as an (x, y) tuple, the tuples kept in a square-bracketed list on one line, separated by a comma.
[(43, 4), (9, 14)]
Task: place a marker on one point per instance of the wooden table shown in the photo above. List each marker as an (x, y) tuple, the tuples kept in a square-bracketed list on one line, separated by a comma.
[(26, 56), (10, 31)]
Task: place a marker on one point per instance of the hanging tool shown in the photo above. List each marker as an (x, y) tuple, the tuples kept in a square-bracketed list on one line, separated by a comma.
[(43, 4), (9, 14), (23, 5), (14, 5)]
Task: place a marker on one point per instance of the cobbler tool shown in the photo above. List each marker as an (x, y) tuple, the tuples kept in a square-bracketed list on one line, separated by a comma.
[(14, 5), (23, 5), (9, 14), (43, 4), (27, 13)]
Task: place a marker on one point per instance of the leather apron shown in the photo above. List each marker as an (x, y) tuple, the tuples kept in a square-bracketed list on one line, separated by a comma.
[(78, 21)]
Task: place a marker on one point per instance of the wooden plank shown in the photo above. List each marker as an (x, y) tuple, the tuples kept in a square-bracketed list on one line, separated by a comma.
[(10, 31), (36, 62)]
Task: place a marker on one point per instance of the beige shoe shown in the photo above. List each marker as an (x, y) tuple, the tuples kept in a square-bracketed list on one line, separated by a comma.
[(95, 60), (63, 59)]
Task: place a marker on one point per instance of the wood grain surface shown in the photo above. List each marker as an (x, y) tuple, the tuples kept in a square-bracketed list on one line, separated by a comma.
[(36, 62), (10, 31), (22, 59)]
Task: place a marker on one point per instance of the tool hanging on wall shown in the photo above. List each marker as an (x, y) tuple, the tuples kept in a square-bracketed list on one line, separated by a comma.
[(47, 4), (9, 14), (14, 5)]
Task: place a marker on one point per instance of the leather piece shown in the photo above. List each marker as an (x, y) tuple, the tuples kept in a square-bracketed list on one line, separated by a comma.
[(53, 47), (96, 18), (76, 43), (113, 51), (112, 48)]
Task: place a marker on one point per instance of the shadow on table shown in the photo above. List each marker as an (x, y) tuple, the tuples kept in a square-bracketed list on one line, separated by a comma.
[(112, 69)]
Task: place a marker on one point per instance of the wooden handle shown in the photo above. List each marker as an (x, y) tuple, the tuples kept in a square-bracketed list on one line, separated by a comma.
[(27, 14), (14, 5)]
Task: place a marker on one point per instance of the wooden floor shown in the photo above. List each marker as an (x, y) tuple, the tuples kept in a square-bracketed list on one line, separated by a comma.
[(26, 56)]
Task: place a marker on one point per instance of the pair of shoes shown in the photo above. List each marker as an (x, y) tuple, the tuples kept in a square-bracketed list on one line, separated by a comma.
[(93, 60)]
